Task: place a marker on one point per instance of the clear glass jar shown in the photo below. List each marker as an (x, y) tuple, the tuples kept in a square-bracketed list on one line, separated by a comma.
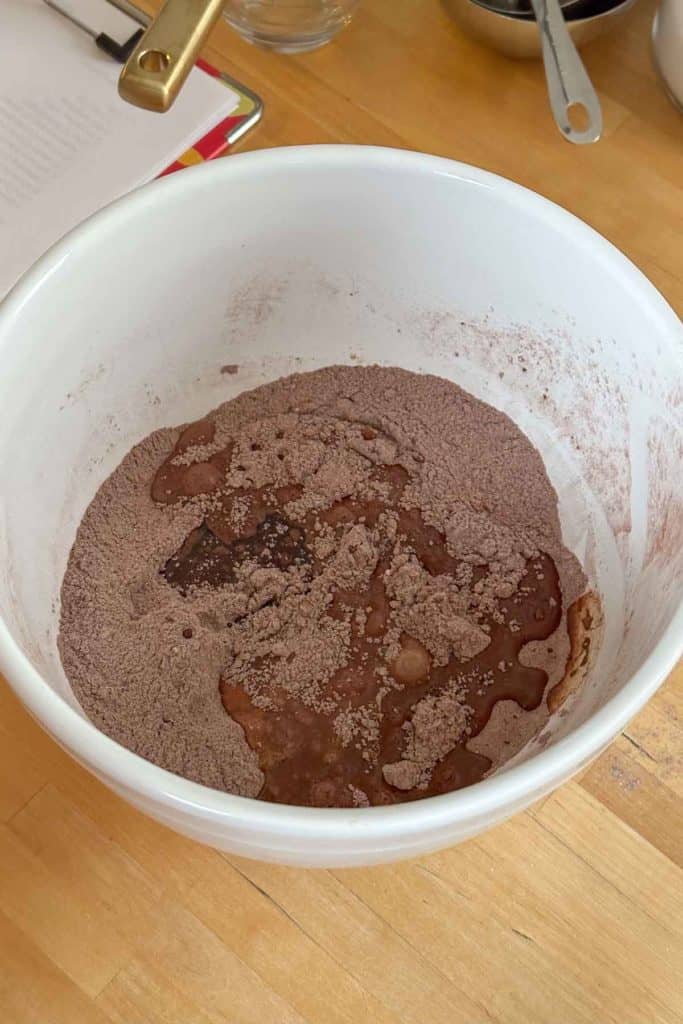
[(289, 26)]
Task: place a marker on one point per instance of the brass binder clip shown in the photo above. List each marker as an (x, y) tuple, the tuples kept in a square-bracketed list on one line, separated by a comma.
[(154, 73)]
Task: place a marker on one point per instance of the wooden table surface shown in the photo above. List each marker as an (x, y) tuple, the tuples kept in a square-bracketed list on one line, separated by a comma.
[(571, 912)]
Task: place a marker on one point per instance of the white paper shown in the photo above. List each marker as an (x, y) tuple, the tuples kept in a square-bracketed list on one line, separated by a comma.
[(68, 143)]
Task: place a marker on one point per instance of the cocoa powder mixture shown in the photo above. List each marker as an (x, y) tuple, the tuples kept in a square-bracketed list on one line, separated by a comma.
[(343, 588)]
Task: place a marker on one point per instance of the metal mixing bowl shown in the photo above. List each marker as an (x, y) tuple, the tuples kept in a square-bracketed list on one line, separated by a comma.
[(517, 36)]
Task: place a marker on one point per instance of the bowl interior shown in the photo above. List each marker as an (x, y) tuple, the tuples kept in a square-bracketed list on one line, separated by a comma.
[(292, 260)]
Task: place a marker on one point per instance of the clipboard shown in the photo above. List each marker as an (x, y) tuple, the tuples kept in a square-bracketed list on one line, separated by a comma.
[(227, 132), (215, 142), (71, 146)]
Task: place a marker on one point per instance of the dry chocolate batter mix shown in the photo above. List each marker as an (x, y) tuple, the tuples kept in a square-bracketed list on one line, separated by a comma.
[(344, 588)]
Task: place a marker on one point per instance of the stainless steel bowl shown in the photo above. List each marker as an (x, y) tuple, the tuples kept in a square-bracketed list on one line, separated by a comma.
[(518, 36)]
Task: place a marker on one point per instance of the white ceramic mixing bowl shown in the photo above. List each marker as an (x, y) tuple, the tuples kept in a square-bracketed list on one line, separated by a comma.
[(291, 259)]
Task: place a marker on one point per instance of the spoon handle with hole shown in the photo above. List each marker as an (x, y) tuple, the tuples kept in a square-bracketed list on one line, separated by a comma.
[(162, 60), (566, 77)]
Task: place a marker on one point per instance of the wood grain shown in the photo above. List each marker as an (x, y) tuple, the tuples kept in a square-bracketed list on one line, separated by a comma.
[(570, 913)]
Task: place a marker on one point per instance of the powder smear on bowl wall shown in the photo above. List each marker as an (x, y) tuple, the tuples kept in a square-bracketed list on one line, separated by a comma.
[(319, 593)]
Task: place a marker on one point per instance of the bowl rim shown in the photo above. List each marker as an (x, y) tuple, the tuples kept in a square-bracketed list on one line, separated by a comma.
[(495, 796), (618, 7)]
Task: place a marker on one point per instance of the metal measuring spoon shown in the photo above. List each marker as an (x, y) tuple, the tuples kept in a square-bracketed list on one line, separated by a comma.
[(566, 77)]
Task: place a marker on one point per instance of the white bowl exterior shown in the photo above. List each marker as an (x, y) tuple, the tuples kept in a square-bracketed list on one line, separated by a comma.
[(292, 259)]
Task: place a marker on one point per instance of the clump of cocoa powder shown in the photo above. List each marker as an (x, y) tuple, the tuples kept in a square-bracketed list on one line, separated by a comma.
[(439, 721)]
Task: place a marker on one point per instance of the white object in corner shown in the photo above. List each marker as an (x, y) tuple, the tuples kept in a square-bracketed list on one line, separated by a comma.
[(667, 42)]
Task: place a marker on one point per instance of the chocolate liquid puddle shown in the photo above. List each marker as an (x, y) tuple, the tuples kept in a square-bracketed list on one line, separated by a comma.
[(302, 757)]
